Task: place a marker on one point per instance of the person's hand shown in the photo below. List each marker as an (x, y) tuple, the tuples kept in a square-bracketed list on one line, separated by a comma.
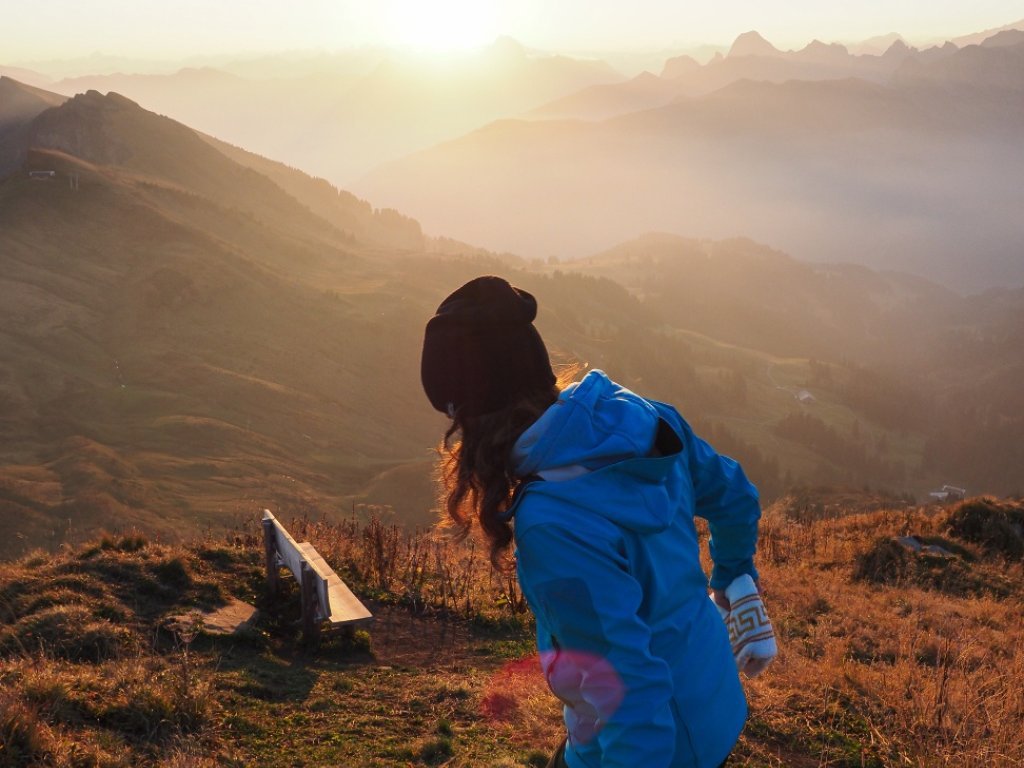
[(755, 665), (722, 600), (750, 632)]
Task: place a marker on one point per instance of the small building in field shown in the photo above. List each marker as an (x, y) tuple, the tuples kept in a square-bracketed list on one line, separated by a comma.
[(804, 397), (949, 493)]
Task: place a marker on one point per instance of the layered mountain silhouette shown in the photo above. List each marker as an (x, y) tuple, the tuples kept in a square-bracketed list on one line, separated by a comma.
[(750, 57), (979, 38), (752, 44), (751, 295), (911, 174), (190, 331), (926, 360), (340, 121)]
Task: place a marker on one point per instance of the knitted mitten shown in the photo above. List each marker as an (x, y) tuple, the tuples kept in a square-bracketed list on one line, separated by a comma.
[(750, 631)]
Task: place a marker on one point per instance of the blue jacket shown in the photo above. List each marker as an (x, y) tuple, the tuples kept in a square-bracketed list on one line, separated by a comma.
[(608, 559)]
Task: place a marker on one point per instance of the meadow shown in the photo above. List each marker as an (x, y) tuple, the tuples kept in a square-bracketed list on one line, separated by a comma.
[(888, 657)]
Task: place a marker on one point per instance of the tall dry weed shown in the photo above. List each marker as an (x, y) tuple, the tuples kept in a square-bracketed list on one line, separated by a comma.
[(890, 671), (425, 570)]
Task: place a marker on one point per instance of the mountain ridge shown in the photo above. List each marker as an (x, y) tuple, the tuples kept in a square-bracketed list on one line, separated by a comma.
[(19, 105), (751, 44), (189, 346), (160, 305), (340, 123), (895, 175)]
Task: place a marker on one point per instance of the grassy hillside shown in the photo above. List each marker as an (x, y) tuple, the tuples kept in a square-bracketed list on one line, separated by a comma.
[(194, 330), (207, 351), (19, 105), (749, 294), (912, 384), (887, 658), (187, 332)]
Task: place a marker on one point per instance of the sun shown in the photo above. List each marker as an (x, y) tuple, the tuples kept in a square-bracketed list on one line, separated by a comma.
[(442, 25)]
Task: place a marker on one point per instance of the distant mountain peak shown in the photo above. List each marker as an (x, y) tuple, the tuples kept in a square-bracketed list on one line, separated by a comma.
[(679, 66), (111, 100), (875, 46), (507, 48), (645, 78), (817, 46), (898, 48), (1006, 37), (977, 38), (752, 44), (112, 130), (823, 52)]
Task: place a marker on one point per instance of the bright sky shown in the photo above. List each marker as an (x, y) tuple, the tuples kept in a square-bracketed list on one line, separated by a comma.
[(45, 29)]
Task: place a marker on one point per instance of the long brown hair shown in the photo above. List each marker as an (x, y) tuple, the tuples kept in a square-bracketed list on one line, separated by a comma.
[(476, 472)]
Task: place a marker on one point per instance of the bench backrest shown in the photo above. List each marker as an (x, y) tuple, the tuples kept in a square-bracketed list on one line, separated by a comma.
[(292, 556)]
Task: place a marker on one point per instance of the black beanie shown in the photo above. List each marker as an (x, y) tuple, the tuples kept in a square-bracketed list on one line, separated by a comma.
[(481, 351)]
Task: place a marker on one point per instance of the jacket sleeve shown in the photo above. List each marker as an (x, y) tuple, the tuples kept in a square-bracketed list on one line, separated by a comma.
[(729, 502), (583, 595)]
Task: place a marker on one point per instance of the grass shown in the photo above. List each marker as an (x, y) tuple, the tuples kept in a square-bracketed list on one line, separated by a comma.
[(771, 385), (879, 666), (909, 669)]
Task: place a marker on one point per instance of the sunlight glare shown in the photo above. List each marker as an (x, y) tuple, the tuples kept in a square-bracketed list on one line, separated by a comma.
[(442, 25)]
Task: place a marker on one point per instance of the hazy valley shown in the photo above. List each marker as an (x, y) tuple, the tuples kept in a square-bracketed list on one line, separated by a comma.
[(880, 154), (191, 332), (339, 117), (919, 172)]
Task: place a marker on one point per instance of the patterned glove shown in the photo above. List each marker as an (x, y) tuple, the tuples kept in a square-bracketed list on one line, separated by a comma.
[(750, 631)]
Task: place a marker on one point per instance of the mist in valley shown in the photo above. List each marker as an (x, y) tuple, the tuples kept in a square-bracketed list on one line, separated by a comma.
[(794, 246)]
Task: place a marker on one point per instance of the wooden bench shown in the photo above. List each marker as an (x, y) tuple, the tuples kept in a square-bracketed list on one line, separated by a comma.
[(325, 597)]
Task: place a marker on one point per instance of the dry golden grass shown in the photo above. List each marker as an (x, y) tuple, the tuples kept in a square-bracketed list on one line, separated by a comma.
[(425, 570), (921, 671), (886, 658), (87, 676)]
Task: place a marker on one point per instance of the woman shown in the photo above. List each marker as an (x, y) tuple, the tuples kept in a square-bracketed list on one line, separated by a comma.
[(599, 488)]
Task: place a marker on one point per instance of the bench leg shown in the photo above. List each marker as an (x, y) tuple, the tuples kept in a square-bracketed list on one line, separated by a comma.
[(270, 556), (310, 626)]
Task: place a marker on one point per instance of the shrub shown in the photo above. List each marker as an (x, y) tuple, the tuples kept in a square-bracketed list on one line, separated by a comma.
[(24, 738), (887, 561), (437, 751), (70, 632), (173, 573), (997, 527), (132, 543)]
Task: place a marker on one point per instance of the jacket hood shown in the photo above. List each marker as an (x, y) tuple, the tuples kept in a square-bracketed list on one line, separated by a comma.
[(595, 447)]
